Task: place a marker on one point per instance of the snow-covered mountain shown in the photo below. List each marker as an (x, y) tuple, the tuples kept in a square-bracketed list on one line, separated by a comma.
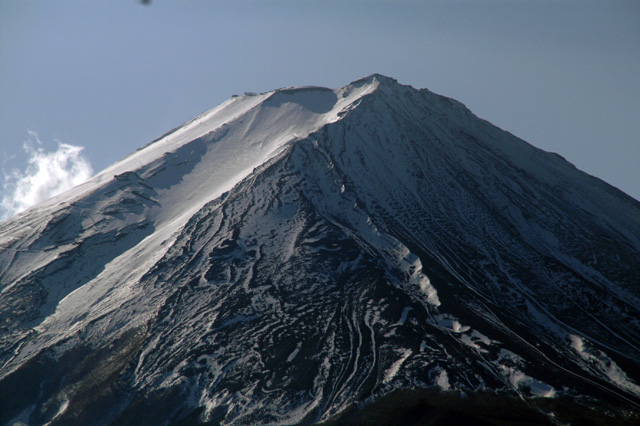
[(289, 254)]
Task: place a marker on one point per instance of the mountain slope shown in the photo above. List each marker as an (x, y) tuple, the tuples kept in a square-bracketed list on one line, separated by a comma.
[(287, 254)]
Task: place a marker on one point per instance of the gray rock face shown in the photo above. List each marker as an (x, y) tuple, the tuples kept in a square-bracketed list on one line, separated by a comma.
[(289, 254)]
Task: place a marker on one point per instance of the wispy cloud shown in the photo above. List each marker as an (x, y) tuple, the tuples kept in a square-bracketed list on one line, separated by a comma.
[(47, 173)]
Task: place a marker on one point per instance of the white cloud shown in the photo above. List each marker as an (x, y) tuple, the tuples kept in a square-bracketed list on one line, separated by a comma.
[(47, 174)]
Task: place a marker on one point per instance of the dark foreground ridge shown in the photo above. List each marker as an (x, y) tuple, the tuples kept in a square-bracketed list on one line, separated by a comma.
[(373, 254), (429, 408)]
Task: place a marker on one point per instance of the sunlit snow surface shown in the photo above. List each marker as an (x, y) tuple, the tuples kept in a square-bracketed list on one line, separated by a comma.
[(289, 253)]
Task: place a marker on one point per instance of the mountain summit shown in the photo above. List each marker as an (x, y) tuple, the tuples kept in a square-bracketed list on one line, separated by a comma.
[(288, 256)]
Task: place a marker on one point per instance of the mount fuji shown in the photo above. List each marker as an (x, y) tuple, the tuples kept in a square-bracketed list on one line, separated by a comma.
[(310, 255)]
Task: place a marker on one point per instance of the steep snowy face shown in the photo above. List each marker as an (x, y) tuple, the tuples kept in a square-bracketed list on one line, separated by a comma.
[(288, 254), (122, 220), (488, 207)]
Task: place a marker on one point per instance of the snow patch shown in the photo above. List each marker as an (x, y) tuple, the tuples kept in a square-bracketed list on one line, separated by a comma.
[(294, 354), (64, 404), (395, 367), (509, 362), (412, 266), (467, 340), (482, 338), (443, 380), (22, 419), (404, 316), (450, 323), (519, 380), (603, 363)]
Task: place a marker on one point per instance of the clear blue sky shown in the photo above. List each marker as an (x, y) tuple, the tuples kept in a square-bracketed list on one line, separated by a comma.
[(112, 75)]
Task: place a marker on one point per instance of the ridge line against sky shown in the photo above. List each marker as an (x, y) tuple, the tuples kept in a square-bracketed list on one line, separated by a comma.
[(111, 76)]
